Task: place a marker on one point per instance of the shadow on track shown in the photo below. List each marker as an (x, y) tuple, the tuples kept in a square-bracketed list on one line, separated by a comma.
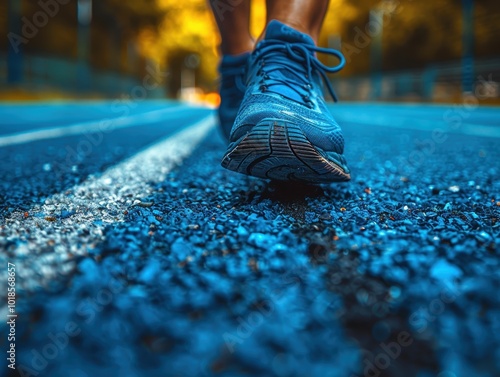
[(291, 192)]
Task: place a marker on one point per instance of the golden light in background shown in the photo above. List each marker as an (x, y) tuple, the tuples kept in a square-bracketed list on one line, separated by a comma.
[(258, 17), (189, 26)]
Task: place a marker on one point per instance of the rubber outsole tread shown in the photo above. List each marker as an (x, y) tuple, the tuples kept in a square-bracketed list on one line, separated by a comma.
[(279, 150)]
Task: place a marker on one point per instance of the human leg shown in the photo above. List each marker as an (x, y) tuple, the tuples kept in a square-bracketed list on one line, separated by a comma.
[(306, 16), (283, 129), (233, 21)]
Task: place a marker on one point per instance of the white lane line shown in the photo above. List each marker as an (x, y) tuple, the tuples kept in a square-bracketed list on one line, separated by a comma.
[(106, 124), (45, 243)]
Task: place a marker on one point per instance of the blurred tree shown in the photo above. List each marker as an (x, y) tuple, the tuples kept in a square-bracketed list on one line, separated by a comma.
[(186, 29), (487, 27), (117, 25), (414, 34), (3, 25), (424, 32), (56, 36), (341, 20), (125, 32)]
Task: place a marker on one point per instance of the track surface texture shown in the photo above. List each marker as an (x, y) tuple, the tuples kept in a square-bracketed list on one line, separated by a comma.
[(137, 254)]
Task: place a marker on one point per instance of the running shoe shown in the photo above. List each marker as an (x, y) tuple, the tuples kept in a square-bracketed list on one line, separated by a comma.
[(232, 89), (284, 130)]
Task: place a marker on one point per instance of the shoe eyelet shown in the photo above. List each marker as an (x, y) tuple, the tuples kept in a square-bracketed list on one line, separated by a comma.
[(308, 102)]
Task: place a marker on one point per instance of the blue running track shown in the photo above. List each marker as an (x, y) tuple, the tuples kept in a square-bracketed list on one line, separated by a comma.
[(136, 254)]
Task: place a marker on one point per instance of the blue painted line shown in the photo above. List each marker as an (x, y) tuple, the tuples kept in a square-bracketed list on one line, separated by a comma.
[(103, 125), (482, 122)]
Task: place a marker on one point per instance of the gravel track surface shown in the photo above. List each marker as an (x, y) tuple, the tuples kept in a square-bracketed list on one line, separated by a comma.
[(133, 262)]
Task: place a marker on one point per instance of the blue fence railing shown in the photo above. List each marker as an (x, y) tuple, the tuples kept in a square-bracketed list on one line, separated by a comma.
[(42, 73), (440, 82)]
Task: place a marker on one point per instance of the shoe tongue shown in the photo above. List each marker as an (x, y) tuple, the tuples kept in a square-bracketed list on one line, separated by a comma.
[(280, 31)]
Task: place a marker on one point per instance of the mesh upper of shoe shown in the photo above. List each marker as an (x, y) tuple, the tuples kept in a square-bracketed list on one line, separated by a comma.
[(232, 89), (284, 82)]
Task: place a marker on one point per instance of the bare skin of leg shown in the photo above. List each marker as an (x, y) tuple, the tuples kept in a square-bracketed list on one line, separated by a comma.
[(306, 16), (233, 22)]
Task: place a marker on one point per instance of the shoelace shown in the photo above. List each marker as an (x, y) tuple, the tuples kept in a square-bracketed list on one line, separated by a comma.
[(294, 57)]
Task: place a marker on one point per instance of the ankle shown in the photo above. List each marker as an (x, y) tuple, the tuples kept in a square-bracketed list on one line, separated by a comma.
[(237, 47)]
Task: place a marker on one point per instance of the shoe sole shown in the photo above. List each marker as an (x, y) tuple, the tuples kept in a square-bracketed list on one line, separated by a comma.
[(279, 150)]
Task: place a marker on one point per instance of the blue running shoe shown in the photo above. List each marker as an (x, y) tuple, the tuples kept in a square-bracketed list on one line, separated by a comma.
[(283, 130), (232, 89)]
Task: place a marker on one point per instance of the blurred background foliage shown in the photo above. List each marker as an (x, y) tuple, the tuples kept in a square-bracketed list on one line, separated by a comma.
[(127, 35)]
